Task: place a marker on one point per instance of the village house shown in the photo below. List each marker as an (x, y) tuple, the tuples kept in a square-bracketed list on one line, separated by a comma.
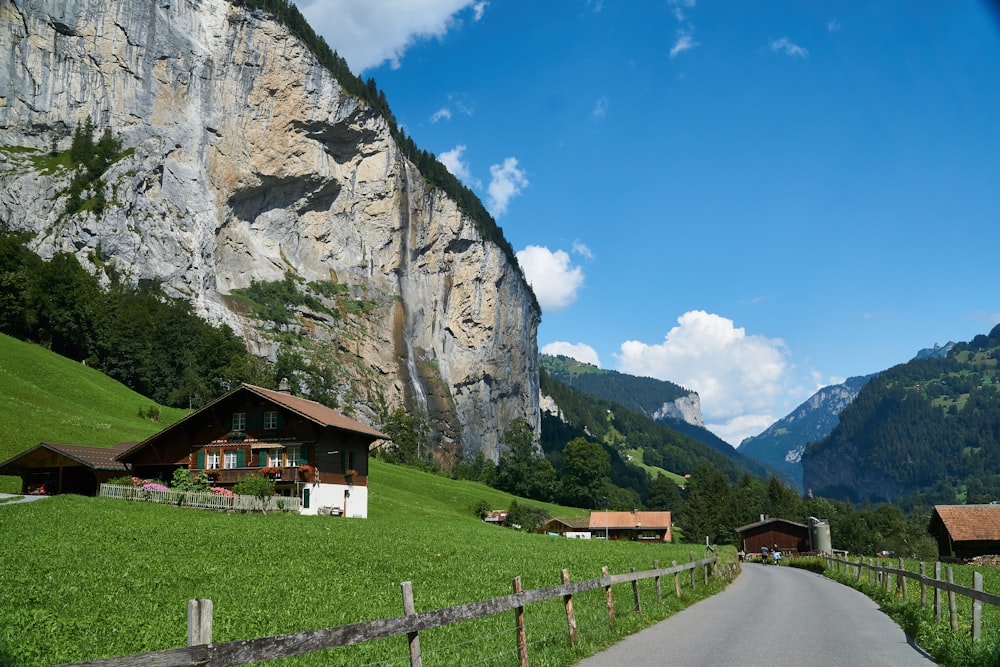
[(634, 525), (966, 531), (309, 450)]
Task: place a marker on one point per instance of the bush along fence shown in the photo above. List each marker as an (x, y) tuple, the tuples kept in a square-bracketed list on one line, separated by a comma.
[(894, 579), (209, 501), (202, 652)]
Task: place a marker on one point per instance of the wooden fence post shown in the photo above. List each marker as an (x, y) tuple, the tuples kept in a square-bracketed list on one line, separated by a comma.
[(858, 569), (570, 616), (952, 605), (635, 592), (923, 585), (691, 560), (199, 622), (937, 592), (677, 580), (977, 607), (659, 589), (522, 636), (410, 609), (901, 581), (608, 596)]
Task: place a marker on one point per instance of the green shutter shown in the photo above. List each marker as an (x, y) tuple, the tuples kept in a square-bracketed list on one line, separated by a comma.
[(345, 459), (305, 498), (241, 458), (304, 455), (201, 459), (262, 458)]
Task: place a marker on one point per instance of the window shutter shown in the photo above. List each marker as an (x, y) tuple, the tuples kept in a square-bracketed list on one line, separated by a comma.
[(262, 458), (345, 460), (304, 455), (201, 459), (241, 458), (305, 498)]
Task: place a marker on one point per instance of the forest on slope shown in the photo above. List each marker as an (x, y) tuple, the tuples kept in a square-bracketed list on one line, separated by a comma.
[(923, 432)]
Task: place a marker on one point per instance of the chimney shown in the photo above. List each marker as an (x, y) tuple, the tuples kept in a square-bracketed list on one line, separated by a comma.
[(283, 386)]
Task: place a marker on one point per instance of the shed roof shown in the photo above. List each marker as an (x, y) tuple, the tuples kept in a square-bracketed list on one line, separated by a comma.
[(759, 524), (571, 522), (629, 520), (98, 458), (967, 523)]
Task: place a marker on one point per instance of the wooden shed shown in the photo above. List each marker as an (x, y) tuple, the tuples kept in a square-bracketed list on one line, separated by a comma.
[(50, 468), (790, 537), (966, 531)]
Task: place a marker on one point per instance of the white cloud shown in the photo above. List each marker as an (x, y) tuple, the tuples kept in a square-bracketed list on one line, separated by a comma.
[(444, 113), (788, 47), (685, 42), (679, 7), (553, 278), (581, 249), (600, 108), (367, 34), (742, 380), (506, 182), (833, 25), (452, 160), (579, 351)]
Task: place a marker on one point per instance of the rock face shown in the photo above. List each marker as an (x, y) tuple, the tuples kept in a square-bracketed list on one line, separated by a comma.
[(686, 409), (247, 161)]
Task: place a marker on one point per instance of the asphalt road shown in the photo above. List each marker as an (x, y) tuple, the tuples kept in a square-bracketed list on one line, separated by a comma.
[(771, 617)]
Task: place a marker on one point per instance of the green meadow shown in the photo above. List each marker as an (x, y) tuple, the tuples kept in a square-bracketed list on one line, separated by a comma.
[(89, 578)]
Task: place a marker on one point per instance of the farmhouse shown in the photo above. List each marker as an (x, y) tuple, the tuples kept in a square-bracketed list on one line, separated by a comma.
[(966, 531), (308, 449), (791, 538), (578, 527), (634, 525)]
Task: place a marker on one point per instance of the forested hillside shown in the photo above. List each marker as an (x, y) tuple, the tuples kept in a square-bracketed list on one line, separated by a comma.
[(927, 431), (641, 394)]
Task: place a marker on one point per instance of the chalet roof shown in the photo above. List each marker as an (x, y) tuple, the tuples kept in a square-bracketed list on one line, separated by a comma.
[(98, 458), (571, 522), (968, 523), (758, 524), (311, 410), (629, 520)]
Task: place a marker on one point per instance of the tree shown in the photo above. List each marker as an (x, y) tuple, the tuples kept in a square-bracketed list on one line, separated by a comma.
[(665, 496), (707, 509), (584, 473), (522, 470), (408, 434)]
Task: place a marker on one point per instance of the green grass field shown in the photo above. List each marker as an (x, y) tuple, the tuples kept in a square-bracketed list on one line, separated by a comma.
[(86, 578), (49, 398)]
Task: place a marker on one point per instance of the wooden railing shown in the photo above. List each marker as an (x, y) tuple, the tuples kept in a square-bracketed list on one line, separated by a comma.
[(883, 576), (210, 501), (202, 652)]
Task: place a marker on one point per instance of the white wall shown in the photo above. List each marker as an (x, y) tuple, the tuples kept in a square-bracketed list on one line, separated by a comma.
[(333, 496)]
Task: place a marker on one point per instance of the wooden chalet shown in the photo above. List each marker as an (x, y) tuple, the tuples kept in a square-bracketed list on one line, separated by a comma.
[(574, 526), (310, 450), (634, 525), (49, 468), (966, 531), (789, 537)]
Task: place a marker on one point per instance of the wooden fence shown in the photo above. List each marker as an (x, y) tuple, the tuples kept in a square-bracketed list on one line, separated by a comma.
[(884, 575), (210, 501), (202, 652)]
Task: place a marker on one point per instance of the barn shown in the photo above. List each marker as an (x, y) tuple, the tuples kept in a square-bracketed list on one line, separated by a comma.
[(789, 537), (966, 531)]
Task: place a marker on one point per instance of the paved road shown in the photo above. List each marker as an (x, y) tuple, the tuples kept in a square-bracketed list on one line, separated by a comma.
[(771, 617), (20, 499)]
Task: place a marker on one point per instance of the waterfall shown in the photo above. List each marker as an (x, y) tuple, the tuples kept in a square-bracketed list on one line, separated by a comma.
[(406, 292)]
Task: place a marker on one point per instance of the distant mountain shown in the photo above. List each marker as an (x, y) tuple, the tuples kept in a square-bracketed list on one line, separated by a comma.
[(620, 410), (927, 431), (936, 352), (657, 399), (782, 444)]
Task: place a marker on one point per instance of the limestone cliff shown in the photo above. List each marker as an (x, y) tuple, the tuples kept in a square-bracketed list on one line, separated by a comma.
[(248, 161)]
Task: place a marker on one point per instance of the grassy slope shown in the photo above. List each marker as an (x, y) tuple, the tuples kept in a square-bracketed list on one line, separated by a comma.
[(85, 578), (54, 399)]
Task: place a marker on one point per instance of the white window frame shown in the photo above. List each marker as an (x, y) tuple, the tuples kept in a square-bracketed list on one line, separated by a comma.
[(239, 421), (229, 459), (274, 458), (292, 455), (213, 459), (271, 420)]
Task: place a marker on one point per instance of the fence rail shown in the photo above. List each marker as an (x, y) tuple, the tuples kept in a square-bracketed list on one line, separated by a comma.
[(211, 501), (883, 575), (202, 652)]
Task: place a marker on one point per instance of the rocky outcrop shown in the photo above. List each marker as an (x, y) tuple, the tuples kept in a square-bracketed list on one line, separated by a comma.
[(247, 161), (686, 409)]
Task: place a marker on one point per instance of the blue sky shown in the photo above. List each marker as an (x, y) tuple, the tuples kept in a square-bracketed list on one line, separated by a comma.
[(750, 199)]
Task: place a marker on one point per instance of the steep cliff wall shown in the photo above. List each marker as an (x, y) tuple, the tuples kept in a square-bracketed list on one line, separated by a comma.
[(246, 161)]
